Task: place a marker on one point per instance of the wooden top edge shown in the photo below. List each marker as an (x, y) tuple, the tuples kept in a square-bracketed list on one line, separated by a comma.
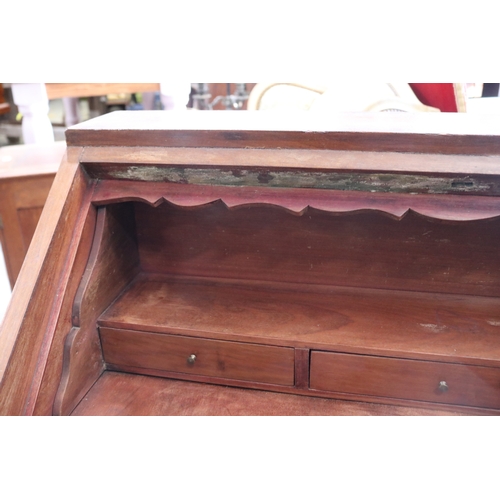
[(441, 133), (300, 121), (31, 159)]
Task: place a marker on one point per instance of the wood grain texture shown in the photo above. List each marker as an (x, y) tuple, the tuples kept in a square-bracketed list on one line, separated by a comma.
[(298, 200), (357, 249), (101, 162), (126, 394), (222, 359), (302, 368), (244, 262), (54, 366), (406, 379), (28, 328), (112, 264), (21, 204), (26, 176), (28, 219), (347, 319), (443, 133)]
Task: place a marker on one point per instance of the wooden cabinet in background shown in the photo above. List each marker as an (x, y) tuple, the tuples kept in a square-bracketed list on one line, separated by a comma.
[(26, 176), (233, 263)]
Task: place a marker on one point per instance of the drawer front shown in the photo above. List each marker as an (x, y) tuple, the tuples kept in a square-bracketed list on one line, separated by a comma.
[(406, 379), (190, 355)]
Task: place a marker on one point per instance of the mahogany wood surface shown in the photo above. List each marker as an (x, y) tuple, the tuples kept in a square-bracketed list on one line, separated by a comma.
[(384, 132), (104, 163), (112, 264), (233, 360), (444, 207), (451, 328), (26, 176), (126, 394), (61, 314), (21, 204), (27, 331), (358, 249), (406, 379), (302, 368), (271, 278)]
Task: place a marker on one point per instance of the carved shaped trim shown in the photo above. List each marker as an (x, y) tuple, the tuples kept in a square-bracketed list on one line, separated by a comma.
[(297, 201)]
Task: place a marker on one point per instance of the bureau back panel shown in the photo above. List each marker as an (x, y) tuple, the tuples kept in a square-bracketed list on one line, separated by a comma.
[(366, 249)]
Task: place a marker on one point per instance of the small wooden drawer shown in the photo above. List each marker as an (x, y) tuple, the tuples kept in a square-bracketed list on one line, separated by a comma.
[(448, 383), (191, 355)]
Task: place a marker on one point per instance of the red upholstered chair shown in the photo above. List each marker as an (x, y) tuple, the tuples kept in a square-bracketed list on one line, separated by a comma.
[(448, 97)]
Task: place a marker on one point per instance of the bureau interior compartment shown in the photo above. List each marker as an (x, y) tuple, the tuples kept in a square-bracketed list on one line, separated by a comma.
[(247, 296), (360, 282)]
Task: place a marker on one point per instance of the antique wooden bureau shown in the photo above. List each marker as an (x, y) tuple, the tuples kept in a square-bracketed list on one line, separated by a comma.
[(253, 263)]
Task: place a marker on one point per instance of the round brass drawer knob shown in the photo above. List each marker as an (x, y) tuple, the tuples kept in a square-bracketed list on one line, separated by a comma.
[(191, 359), (443, 386)]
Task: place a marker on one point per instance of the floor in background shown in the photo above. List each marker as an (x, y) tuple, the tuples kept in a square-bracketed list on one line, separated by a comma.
[(5, 291)]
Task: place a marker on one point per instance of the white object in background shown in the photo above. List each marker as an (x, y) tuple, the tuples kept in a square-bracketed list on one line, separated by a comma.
[(175, 96), (33, 104), (484, 105)]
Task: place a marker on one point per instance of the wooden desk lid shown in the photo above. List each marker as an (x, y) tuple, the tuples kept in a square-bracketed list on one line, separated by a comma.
[(397, 132)]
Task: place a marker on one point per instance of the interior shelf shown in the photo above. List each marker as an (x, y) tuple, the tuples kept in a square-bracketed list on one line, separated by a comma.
[(126, 394), (414, 325)]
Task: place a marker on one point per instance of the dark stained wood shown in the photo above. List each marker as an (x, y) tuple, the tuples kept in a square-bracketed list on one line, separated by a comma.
[(27, 331), (302, 368), (402, 132), (232, 360), (112, 263), (126, 394), (28, 219), (443, 207), (211, 242), (406, 379), (347, 319), (54, 365), (252, 242)]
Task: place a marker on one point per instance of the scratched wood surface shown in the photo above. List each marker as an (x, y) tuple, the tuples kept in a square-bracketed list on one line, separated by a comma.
[(365, 171), (367, 321), (364, 277), (126, 394)]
